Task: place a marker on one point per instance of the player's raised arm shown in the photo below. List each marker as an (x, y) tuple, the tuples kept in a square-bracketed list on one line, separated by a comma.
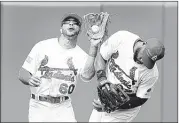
[(88, 71), (96, 25)]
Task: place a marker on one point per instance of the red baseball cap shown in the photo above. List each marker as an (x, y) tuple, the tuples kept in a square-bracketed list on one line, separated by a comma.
[(153, 51), (76, 17)]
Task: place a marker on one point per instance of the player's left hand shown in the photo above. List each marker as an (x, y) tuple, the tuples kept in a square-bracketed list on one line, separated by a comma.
[(34, 81), (111, 96)]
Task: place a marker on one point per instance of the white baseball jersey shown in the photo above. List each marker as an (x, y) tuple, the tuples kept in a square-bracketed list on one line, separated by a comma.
[(121, 69), (57, 67)]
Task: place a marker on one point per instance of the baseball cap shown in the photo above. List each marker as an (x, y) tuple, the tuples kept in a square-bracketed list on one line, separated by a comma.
[(76, 18), (153, 51)]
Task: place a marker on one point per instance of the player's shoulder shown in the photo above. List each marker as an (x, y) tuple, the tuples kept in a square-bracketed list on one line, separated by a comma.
[(80, 51), (155, 70), (47, 42), (152, 72), (124, 34)]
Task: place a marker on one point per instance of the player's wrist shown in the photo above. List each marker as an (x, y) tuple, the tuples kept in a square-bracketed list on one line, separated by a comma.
[(101, 76), (103, 81), (94, 45)]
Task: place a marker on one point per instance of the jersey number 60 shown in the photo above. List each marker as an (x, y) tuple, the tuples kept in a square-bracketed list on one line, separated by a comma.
[(65, 89)]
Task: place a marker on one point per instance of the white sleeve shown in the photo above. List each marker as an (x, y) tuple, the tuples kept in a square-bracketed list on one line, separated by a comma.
[(110, 45), (146, 87), (31, 63), (82, 61)]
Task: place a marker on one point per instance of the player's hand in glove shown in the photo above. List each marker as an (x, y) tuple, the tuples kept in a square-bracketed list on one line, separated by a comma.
[(34, 81), (111, 97), (98, 20)]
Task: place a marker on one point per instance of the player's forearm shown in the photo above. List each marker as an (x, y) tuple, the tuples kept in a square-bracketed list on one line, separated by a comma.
[(100, 68), (24, 76), (89, 70), (133, 102)]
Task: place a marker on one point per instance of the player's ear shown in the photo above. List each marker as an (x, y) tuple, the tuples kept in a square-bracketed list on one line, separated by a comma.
[(79, 30), (61, 30)]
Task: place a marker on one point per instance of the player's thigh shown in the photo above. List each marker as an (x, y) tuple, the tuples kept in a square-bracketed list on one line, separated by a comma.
[(95, 116), (36, 114), (64, 113), (121, 116)]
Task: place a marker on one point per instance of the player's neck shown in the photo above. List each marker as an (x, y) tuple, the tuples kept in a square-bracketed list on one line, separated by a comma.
[(67, 43)]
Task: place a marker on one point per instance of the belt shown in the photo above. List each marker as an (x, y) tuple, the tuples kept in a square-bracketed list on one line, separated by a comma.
[(49, 98)]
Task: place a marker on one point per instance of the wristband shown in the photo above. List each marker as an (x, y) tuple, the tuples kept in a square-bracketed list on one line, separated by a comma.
[(101, 75), (103, 82)]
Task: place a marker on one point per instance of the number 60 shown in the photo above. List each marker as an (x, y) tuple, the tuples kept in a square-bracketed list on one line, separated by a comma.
[(65, 89)]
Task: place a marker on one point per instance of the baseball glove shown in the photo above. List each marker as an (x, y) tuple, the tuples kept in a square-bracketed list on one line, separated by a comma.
[(96, 25), (111, 97)]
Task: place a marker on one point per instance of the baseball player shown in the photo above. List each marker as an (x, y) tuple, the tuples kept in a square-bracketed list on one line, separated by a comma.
[(129, 62), (51, 71)]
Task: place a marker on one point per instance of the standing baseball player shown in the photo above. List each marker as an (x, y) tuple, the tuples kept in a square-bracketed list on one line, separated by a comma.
[(51, 71), (127, 72)]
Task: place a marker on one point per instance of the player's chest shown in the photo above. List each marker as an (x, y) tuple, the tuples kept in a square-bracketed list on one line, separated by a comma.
[(124, 71), (61, 66), (59, 59)]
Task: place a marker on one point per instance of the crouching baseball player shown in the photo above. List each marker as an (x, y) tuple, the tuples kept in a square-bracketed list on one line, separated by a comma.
[(51, 71), (126, 72)]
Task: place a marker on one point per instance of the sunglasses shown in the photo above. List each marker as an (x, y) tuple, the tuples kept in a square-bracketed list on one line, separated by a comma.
[(71, 21)]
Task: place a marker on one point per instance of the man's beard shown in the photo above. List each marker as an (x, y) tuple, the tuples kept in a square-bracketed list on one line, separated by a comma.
[(135, 56)]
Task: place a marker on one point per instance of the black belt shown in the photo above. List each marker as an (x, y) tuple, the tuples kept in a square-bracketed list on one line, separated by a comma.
[(50, 99)]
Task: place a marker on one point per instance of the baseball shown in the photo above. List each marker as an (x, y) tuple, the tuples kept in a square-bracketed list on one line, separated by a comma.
[(95, 28)]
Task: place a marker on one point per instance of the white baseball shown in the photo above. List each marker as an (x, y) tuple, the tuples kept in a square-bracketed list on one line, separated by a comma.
[(95, 28)]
